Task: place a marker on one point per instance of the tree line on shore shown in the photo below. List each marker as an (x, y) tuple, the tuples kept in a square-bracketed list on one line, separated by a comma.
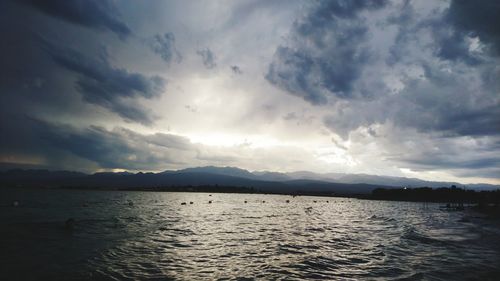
[(443, 195)]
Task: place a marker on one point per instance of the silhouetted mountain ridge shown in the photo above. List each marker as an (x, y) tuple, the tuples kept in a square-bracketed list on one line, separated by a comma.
[(218, 176), (226, 171)]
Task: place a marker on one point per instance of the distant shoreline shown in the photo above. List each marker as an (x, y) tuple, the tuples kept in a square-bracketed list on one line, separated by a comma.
[(486, 203), (423, 194)]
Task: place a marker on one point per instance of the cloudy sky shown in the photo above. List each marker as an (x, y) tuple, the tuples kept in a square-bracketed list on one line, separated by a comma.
[(399, 88)]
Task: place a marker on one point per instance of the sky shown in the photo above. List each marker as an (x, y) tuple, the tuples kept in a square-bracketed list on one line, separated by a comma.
[(396, 88)]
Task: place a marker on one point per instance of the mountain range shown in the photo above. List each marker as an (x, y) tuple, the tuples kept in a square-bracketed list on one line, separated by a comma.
[(264, 181)]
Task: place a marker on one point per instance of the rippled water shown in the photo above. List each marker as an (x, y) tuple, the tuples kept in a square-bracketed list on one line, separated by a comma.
[(157, 238)]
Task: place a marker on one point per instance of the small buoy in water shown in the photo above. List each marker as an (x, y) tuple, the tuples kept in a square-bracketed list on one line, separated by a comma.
[(327, 201), (183, 203), (209, 194), (69, 224), (245, 201), (190, 202), (263, 201), (287, 201), (15, 203), (130, 203), (314, 201), (210, 202)]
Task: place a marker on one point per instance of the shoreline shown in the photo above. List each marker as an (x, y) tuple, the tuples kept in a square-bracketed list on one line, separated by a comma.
[(492, 209)]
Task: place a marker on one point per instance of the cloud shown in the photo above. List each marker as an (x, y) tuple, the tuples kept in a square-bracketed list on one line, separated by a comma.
[(326, 52), (102, 84), (427, 76), (236, 69), (65, 146), (298, 118), (380, 86), (454, 29), (164, 45), (62, 146), (208, 58), (451, 104), (408, 148), (463, 156), (430, 161), (480, 19), (120, 148), (95, 14), (437, 96), (449, 43), (452, 45)]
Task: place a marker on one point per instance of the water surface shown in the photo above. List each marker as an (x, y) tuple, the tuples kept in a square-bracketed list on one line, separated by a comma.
[(151, 236)]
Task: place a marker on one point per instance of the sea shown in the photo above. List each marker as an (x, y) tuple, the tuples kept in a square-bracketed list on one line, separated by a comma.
[(132, 235)]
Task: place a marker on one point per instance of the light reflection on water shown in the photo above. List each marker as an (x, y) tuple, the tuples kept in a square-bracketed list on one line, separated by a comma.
[(157, 238)]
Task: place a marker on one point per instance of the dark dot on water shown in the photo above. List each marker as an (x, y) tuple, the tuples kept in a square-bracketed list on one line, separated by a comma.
[(70, 224)]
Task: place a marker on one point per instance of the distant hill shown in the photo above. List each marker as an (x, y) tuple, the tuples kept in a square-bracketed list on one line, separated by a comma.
[(334, 178), (226, 171), (386, 180), (272, 176), (183, 178), (262, 181)]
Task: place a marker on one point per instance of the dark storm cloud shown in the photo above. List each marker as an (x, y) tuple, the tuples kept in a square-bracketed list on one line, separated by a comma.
[(117, 148), (164, 46), (442, 103), (351, 117), (245, 11), (451, 44), (442, 111), (208, 58), (293, 72), (490, 172), (447, 103), (465, 163), (454, 101), (170, 141), (477, 18), (327, 52), (446, 161), (102, 84), (20, 54), (452, 29), (42, 76), (472, 122), (96, 14), (347, 8)]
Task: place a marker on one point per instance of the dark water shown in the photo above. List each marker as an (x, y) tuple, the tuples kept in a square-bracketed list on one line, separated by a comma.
[(157, 238)]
